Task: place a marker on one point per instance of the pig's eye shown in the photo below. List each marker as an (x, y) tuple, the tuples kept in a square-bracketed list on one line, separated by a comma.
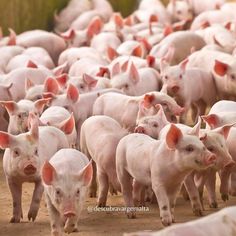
[(36, 151), (180, 76), (233, 77), (58, 192), (81, 86), (38, 97), (166, 77), (77, 192), (66, 107), (211, 149), (179, 12), (189, 148), (16, 152), (19, 116), (164, 104), (155, 125), (126, 86)]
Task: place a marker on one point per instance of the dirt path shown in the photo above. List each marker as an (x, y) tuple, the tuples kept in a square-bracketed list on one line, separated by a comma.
[(92, 223)]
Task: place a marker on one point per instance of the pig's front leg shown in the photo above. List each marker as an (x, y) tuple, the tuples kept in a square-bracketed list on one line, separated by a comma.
[(193, 195), (103, 187), (16, 192), (211, 188), (233, 184), (71, 225), (35, 203), (224, 184), (55, 219), (164, 204), (93, 186)]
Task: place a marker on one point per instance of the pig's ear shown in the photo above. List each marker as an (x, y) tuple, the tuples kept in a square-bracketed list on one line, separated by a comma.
[(48, 173), (51, 86), (173, 137), (111, 53), (68, 35), (33, 122), (196, 128), (183, 64), (102, 71), (138, 51), (205, 24), (89, 80), (133, 73), (40, 104), (169, 54), (31, 64), (163, 65), (60, 69), (86, 174), (28, 84), (10, 106), (228, 25), (212, 120), (6, 140), (220, 68), (125, 66), (49, 95), (94, 27), (72, 93), (162, 114), (68, 125), (62, 79), (115, 69), (150, 60), (119, 21), (168, 30), (224, 130), (142, 111), (12, 37), (148, 99)]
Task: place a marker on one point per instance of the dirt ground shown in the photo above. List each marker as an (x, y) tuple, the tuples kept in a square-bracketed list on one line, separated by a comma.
[(91, 223)]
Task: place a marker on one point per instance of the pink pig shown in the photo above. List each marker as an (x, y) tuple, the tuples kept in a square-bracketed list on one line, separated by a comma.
[(158, 169), (23, 159), (66, 178)]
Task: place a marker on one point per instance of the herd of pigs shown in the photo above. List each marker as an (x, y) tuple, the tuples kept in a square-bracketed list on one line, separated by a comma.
[(107, 102)]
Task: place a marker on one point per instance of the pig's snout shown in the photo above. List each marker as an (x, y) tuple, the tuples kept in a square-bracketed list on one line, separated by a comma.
[(175, 89), (30, 170), (211, 159), (69, 214), (139, 129)]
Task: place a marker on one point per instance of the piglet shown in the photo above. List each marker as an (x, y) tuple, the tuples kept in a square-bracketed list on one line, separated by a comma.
[(66, 178)]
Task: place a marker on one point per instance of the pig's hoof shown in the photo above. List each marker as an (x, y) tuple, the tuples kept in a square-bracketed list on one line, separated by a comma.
[(213, 205), (70, 228), (15, 219), (56, 233), (112, 190), (224, 197), (197, 212), (32, 214), (101, 204), (131, 214), (166, 220), (92, 194)]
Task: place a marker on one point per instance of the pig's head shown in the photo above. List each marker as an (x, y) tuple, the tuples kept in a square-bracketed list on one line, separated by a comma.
[(223, 69), (24, 153), (67, 192), (180, 10), (150, 121), (215, 142), (19, 112), (66, 100), (169, 105), (173, 78), (125, 80), (190, 151)]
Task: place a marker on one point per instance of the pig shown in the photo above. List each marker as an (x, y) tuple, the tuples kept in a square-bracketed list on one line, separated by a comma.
[(74, 8), (211, 17), (8, 52), (181, 51), (128, 106), (218, 223), (18, 77), (66, 178), (19, 112), (159, 170), (135, 82), (38, 55), (87, 83), (71, 55), (59, 117), (180, 11), (221, 65), (104, 133), (22, 161), (180, 83)]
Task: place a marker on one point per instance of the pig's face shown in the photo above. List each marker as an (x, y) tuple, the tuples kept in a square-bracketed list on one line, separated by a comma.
[(173, 77), (182, 11), (20, 119), (61, 100), (34, 93)]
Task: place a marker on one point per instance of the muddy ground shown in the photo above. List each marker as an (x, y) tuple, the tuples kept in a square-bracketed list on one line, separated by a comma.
[(91, 223)]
